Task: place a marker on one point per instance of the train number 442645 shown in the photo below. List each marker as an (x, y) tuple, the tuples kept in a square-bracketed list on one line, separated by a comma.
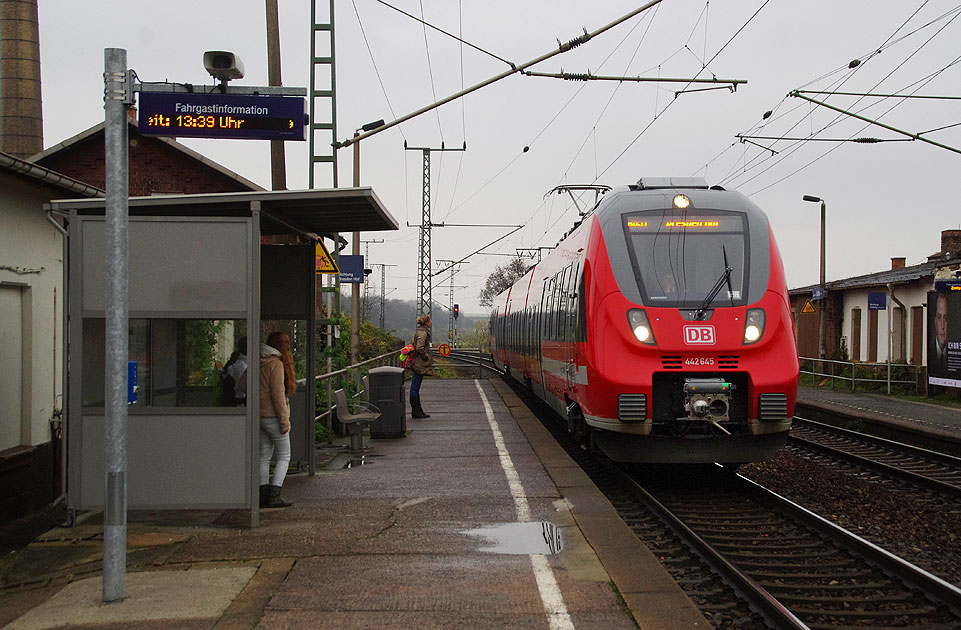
[(699, 361)]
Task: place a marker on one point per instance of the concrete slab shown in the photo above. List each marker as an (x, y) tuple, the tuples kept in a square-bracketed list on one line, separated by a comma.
[(151, 595)]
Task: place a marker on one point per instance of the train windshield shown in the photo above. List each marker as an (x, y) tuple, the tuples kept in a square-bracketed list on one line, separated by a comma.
[(677, 258)]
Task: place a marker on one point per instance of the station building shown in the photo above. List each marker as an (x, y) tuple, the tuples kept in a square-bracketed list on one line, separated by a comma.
[(856, 329)]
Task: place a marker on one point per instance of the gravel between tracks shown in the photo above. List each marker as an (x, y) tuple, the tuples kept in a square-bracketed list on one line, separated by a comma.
[(923, 529)]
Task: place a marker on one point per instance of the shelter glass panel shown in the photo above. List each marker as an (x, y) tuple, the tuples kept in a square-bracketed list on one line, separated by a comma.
[(180, 363)]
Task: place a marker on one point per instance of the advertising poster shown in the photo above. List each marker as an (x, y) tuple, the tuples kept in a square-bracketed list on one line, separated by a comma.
[(944, 338)]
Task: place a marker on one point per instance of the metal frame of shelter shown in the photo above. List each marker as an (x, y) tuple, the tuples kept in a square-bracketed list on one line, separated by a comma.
[(197, 257)]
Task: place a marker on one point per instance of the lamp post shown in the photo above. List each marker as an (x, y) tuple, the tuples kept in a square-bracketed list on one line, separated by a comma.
[(823, 294)]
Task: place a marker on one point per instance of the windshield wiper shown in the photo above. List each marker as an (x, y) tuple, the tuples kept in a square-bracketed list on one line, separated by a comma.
[(725, 278)]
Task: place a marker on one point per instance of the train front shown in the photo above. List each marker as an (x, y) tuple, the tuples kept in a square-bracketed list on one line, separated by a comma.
[(694, 358)]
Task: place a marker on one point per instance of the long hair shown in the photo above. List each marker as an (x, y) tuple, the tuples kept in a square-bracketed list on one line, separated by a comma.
[(281, 342), (423, 320)]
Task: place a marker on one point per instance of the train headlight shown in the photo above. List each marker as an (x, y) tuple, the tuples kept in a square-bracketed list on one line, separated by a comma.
[(682, 201), (753, 325), (640, 326)]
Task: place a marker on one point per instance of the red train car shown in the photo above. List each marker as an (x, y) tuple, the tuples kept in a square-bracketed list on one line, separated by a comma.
[(659, 328)]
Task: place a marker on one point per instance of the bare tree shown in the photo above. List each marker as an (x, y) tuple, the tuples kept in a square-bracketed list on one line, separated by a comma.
[(502, 278)]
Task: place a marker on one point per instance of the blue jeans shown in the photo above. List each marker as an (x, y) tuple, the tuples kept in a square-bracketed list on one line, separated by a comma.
[(415, 381), (273, 442)]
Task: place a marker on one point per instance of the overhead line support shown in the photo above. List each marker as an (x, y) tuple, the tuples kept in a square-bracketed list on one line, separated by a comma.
[(560, 49), (913, 136)]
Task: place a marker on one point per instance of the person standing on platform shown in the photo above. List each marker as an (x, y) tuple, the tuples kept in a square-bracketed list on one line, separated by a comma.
[(277, 382), (423, 364)]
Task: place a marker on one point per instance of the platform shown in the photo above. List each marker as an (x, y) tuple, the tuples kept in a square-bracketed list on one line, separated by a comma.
[(476, 519)]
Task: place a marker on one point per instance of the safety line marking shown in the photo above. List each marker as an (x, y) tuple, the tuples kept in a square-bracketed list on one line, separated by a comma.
[(550, 592)]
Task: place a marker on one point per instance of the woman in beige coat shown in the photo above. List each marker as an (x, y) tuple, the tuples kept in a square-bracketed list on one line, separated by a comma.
[(277, 382), (423, 365)]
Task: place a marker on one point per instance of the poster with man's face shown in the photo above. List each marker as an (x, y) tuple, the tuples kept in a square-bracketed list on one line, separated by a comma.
[(944, 338)]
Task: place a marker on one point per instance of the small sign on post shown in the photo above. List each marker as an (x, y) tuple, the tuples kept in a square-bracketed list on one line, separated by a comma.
[(351, 269), (818, 293)]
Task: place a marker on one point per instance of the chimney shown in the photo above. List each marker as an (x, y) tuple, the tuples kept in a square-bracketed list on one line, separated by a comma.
[(21, 111), (951, 242), (897, 263)]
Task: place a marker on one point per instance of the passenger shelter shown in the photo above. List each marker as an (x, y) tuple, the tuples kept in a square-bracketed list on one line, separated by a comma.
[(204, 271)]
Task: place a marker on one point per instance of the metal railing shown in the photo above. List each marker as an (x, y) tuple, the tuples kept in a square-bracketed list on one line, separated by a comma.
[(849, 371), (352, 373)]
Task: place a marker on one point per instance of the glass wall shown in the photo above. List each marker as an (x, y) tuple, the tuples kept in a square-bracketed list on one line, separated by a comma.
[(180, 362)]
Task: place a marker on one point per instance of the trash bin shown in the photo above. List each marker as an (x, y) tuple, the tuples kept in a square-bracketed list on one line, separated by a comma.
[(387, 393)]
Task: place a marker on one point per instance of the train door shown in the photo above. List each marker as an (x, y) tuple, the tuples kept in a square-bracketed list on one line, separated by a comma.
[(570, 321), (539, 336)]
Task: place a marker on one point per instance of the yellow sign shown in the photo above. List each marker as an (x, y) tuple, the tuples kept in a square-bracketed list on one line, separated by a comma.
[(324, 261), (443, 349), (808, 307)]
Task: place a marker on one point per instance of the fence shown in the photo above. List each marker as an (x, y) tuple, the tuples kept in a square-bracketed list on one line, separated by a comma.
[(848, 371)]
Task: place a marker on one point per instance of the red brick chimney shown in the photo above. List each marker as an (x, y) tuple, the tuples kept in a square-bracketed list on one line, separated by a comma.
[(897, 263), (951, 242), (21, 111)]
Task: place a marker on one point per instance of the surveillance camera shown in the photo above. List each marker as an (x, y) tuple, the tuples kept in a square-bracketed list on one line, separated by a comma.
[(223, 65)]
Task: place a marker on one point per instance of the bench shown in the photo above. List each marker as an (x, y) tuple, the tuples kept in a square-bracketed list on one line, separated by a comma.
[(357, 421)]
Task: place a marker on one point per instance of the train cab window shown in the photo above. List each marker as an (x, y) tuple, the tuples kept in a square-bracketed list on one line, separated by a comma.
[(678, 259)]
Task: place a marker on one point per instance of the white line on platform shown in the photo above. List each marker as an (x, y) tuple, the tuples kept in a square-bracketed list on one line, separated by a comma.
[(551, 596)]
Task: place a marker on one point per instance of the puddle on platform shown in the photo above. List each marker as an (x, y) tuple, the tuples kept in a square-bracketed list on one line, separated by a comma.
[(536, 537)]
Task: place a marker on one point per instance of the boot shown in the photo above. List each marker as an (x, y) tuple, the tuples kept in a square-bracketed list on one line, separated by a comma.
[(416, 411), (274, 500), (264, 493)]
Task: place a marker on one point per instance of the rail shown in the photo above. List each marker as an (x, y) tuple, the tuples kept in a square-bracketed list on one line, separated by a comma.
[(849, 371)]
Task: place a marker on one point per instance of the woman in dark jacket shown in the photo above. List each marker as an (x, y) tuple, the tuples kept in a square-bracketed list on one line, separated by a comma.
[(423, 364)]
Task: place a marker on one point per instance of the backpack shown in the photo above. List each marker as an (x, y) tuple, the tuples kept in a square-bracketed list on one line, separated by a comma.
[(407, 356)]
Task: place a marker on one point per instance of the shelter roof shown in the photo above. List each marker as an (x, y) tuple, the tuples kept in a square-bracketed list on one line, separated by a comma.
[(318, 211)]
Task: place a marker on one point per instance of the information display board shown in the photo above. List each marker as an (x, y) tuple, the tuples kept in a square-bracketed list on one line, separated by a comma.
[(218, 115)]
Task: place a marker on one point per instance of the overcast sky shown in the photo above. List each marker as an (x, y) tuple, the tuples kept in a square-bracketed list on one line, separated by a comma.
[(883, 200)]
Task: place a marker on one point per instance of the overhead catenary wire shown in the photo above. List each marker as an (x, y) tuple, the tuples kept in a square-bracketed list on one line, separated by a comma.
[(852, 67), (370, 52)]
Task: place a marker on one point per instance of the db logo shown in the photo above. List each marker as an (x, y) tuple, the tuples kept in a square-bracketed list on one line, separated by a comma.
[(699, 335)]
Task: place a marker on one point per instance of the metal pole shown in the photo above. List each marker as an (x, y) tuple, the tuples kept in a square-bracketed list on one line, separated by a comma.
[(115, 438), (278, 162), (889, 339), (355, 290), (821, 335)]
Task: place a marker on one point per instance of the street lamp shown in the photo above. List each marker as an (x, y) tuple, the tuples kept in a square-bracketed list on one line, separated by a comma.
[(821, 335)]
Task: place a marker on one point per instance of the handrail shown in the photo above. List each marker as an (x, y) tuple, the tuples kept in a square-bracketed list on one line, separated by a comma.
[(344, 374), (853, 366)]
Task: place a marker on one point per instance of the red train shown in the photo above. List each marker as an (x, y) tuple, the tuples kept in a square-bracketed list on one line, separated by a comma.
[(659, 328)]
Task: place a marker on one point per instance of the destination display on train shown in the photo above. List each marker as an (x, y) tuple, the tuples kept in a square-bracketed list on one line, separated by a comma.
[(222, 116), (705, 223)]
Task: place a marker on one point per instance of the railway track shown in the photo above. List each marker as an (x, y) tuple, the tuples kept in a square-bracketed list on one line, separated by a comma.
[(929, 470), (794, 567), (751, 559)]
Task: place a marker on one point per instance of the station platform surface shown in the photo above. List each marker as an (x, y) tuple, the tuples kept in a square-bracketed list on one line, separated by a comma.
[(935, 419), (476, 519)]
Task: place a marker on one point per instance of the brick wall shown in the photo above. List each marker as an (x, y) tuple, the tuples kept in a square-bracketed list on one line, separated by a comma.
[(155, 167)]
